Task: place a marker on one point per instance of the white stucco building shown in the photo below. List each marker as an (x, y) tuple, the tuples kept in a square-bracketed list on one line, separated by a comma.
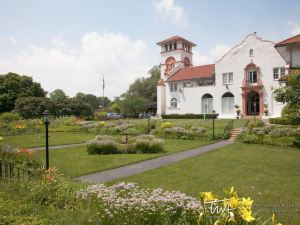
[(245, 76)]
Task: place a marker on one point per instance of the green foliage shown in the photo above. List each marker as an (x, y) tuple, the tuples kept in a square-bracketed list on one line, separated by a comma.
[(9, 117), (54, 190), (133, 105), (290, 94), (115, 107), (58, 95), (31, 107), (188, 116), (148, 144), (14, 86), (279, 120)]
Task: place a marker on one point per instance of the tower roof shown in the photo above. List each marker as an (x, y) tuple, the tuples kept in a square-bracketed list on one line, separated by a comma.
[(175, 38)]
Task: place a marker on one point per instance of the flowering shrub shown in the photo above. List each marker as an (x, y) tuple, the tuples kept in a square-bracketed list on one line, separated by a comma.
[(165, 125), (148, 144), (102, 144), (54, 190), (127, 203), (22, 157)]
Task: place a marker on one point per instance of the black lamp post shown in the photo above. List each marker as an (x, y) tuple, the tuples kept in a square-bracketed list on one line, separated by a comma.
[(46, 118), (149, 117), (213, 115)]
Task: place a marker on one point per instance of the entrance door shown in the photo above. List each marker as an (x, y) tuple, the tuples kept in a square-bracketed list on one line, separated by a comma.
[(253, 103)]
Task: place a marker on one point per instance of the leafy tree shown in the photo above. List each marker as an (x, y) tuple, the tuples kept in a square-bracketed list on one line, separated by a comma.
[(290, 94), (14, 86), (103, 102), (115, 107), (80, 108), (58, 95), (90, 99), (133, 105), (32, 107)]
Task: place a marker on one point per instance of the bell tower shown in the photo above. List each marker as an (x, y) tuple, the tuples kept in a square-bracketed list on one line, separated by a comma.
[(176, 52)]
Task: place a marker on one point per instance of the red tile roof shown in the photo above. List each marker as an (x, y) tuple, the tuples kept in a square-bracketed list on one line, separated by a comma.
[(187, 73), (176, 38), (289, 41)]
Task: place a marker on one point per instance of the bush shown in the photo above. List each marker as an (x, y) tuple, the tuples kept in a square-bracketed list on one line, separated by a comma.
[(54, 190), (9, 117), (279, 120), (101, 116), (102, 145), (189, 116), (148, 144)]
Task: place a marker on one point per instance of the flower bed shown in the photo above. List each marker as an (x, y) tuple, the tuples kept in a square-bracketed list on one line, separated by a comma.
[(271, 135)]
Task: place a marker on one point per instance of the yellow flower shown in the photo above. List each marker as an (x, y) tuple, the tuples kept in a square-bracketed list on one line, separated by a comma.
[(207, 196), (1, 138), (247, 215), (233, 202), (273, 218), (247, 202), (102, 123)]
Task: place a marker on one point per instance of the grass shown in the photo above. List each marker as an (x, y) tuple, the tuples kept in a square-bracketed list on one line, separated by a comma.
[(38, 139), (75, 161), (268, 174)]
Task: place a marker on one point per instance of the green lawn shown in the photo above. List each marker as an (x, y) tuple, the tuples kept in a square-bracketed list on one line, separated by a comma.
[(75, 161), (269, 174), (57, 138)]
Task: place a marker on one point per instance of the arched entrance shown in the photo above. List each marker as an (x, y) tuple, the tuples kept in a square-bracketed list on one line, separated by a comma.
[(253, 104), (207, 104)]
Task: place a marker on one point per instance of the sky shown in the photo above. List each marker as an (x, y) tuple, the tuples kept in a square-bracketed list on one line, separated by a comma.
[(72, 44)]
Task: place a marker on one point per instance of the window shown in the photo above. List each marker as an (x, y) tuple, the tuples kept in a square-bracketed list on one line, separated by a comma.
[(251, 52), (227, 78), (252, 77), (228, 103), (173, 87), (278, 71), (207, 104), (175, 45), (173, 103)]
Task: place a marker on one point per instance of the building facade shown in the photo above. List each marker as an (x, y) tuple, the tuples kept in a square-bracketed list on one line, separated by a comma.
[(246, 76)]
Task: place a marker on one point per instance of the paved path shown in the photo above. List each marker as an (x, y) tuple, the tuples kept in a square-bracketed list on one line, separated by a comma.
[(125, 171), (58, 146)]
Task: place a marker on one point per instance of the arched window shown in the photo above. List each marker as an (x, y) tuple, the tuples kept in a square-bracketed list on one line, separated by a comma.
[(173, 103), (170, 63), (207, 104), (228, 103), (186, 62)]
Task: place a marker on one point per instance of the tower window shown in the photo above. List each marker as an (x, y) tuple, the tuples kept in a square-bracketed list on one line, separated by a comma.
[(175, 45), (251, 52)]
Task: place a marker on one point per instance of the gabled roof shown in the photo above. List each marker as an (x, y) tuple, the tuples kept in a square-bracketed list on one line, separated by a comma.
[(194, 72), (176, 38), (289, 41)]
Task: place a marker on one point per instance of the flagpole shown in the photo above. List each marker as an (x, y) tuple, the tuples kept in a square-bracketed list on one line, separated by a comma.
[(103, 86)]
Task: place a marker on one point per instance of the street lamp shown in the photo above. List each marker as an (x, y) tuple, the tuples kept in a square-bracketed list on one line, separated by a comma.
[(46, 118), (213, 115), (149, 117)]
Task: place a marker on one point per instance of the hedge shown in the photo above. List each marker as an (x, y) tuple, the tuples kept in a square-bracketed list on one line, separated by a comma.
[(189, 116), (282, 121)]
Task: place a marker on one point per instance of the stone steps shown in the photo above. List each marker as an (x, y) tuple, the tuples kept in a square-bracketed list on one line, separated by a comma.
[(235, 133)]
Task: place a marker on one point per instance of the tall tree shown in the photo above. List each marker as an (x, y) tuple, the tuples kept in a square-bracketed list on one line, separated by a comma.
[(14, 86), (290, 94), (58, 95)]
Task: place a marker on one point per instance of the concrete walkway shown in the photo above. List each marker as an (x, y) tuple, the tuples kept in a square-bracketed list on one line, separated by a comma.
[(125, 171), (58, 146)]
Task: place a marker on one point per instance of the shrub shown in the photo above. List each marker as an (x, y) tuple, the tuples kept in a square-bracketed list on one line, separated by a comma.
[(279, 120), (102, 145), (9, 117), (148, 144), (189, 116), (54, 190)]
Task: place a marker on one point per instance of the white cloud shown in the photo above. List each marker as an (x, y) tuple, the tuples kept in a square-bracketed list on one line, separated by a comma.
[(214, 54), (169, 10), (294, 28), (115, 56)]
